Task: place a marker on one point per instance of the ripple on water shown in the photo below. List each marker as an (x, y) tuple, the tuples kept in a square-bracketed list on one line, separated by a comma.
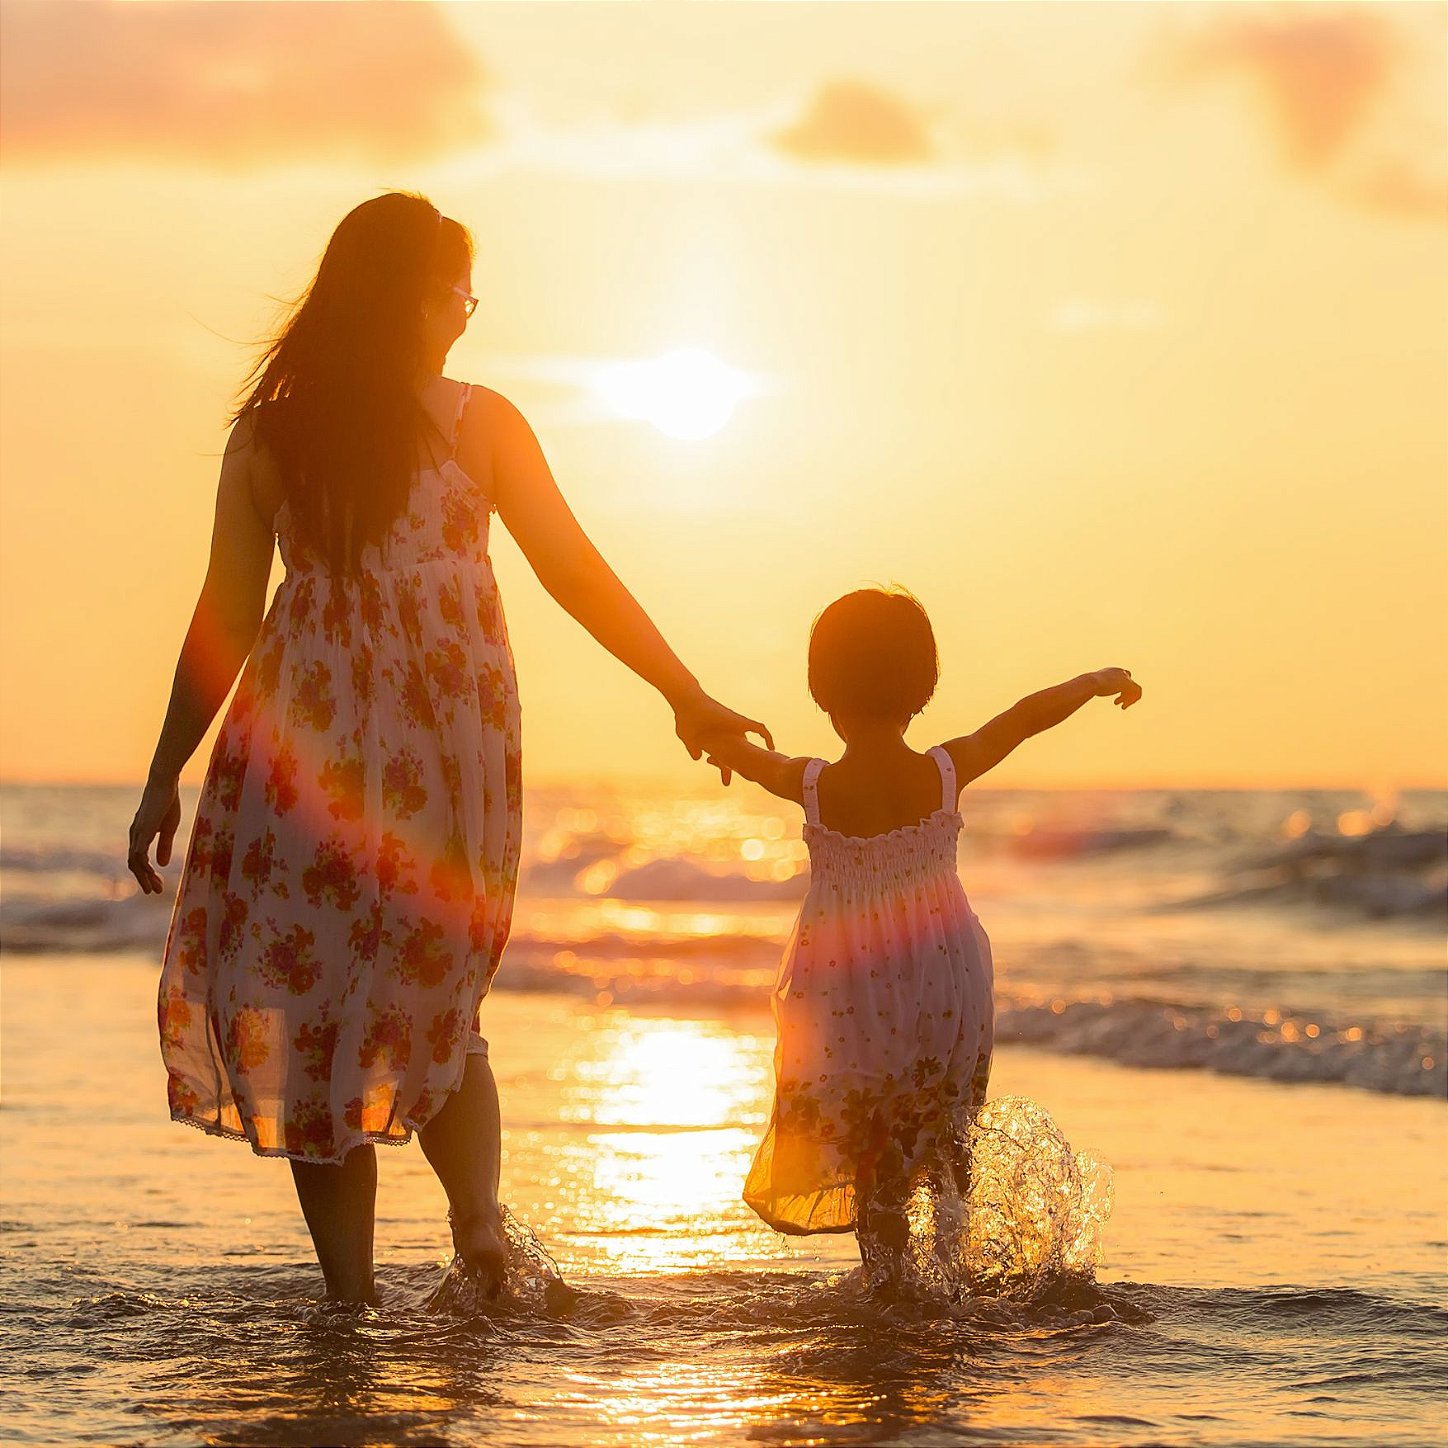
[(244, 1354), (247, 1356)]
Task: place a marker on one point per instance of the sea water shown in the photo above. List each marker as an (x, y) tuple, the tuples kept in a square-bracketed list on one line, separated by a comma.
[(1227, 1008), (1292, 935)]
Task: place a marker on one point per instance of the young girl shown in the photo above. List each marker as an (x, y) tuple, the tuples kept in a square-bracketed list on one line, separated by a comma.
[(883, 1001)]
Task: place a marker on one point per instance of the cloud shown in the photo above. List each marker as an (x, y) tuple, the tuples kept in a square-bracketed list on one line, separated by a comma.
[(1334, 83), (234, 85), (850, 121), (1014, 164), (1318, 73), (1397, 188)]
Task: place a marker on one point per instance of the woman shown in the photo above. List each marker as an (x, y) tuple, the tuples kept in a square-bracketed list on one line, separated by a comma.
[(349, 885)]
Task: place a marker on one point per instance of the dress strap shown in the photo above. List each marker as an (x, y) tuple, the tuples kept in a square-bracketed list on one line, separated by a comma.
[(946, 765), (812, 790), (463, 394)]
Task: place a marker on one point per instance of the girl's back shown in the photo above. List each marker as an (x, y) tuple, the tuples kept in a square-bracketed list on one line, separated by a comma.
[(884, 1009), (872, 797)]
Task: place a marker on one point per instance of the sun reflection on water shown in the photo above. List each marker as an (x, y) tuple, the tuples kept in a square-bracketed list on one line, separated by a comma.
[(672, 1074), (676, 1107)]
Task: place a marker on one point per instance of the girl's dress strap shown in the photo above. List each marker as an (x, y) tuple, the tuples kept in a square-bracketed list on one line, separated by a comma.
[(464, 392), (946, 765), (812, 790)]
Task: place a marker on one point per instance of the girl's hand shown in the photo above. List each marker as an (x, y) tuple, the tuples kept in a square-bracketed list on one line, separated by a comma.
[(697, 716), (159, 815), (1118, 682)]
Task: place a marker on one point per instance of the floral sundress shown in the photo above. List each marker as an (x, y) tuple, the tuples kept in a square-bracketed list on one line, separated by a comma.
[(349, 885), (884, 1008)]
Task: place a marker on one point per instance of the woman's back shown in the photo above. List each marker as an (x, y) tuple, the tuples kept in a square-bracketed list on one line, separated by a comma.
[(446, 513)]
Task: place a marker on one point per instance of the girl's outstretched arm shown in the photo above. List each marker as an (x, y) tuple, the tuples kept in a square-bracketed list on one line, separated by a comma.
[(780, 774), (975, 753)]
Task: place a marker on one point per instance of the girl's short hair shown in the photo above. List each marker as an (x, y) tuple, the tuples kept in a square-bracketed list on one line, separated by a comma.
[(872, 655)]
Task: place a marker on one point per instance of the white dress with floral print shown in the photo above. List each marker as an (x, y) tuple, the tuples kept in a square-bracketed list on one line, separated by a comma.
[(885, 1013), (349, 884)]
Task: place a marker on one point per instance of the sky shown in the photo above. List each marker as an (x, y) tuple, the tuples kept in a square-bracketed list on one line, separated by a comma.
[(1115, 332)]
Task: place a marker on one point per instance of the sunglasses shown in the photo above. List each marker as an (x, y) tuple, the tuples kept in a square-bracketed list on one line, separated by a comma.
[(470, 303)]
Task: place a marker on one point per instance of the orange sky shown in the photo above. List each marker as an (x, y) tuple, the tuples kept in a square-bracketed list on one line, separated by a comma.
[(1115, 332)]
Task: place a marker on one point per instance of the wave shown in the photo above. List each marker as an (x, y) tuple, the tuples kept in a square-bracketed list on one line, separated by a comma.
[(735, 970), (60, 859), (1376, 898), (44, 925), (1067, 844), (681, 880), (1389, 873), (1270, 1045), (40, 925), (1398, 1060)]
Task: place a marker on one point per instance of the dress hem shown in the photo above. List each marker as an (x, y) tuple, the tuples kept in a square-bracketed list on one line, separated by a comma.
[(793, 1229), (365, 1138)]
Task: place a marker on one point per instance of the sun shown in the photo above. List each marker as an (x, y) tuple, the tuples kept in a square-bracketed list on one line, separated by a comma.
[(687, 393)]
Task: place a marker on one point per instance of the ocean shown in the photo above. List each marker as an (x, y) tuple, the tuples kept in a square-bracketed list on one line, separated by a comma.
[(1235, 999)]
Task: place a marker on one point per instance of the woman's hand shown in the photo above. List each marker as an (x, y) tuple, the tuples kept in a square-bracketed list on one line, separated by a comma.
[(159, 815), (697, 717), (1118, 682)]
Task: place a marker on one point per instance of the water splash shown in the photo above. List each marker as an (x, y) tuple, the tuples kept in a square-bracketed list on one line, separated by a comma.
[(1020, 1218), (1036, 1209), (1016, 1224), (532, 1285)]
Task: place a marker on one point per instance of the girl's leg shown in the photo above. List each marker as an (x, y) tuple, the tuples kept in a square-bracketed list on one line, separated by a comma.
[(463, 1144), (339, 1203), (881, 1227)]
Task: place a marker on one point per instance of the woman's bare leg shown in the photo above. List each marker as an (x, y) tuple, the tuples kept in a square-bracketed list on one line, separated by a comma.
[(463, 1144), (340, 1203)]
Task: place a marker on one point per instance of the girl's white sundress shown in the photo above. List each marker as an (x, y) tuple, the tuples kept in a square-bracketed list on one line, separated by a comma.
[(349, 885), (885, 1012)]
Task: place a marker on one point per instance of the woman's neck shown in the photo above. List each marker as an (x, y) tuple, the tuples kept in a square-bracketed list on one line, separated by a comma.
[(429, 373)]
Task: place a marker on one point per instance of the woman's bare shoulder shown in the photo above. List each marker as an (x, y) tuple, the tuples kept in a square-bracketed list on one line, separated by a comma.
[(487, 420), (498, 439), (246, 447), (488, 410)]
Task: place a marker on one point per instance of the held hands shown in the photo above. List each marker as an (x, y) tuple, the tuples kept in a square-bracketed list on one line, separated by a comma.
[(159, 815), (1118, 682), (698, 719)]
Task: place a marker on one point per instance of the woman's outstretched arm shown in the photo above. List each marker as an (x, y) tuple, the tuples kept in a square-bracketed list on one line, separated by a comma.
[(576, 575), (223, 629)]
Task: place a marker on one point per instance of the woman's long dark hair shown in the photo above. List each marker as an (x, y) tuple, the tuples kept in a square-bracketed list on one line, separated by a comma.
[(334, 397)]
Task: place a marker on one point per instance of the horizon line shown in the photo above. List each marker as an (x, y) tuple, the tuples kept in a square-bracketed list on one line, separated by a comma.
[(682, 781)]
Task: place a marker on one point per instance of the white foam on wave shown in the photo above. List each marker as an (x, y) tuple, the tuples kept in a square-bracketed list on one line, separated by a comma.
[(1271, 1045)]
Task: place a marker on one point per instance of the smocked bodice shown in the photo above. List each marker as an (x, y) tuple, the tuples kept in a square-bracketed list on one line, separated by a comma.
[(910, 855)]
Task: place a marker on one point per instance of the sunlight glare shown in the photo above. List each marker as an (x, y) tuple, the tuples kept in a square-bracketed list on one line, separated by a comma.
[(686, 394)]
